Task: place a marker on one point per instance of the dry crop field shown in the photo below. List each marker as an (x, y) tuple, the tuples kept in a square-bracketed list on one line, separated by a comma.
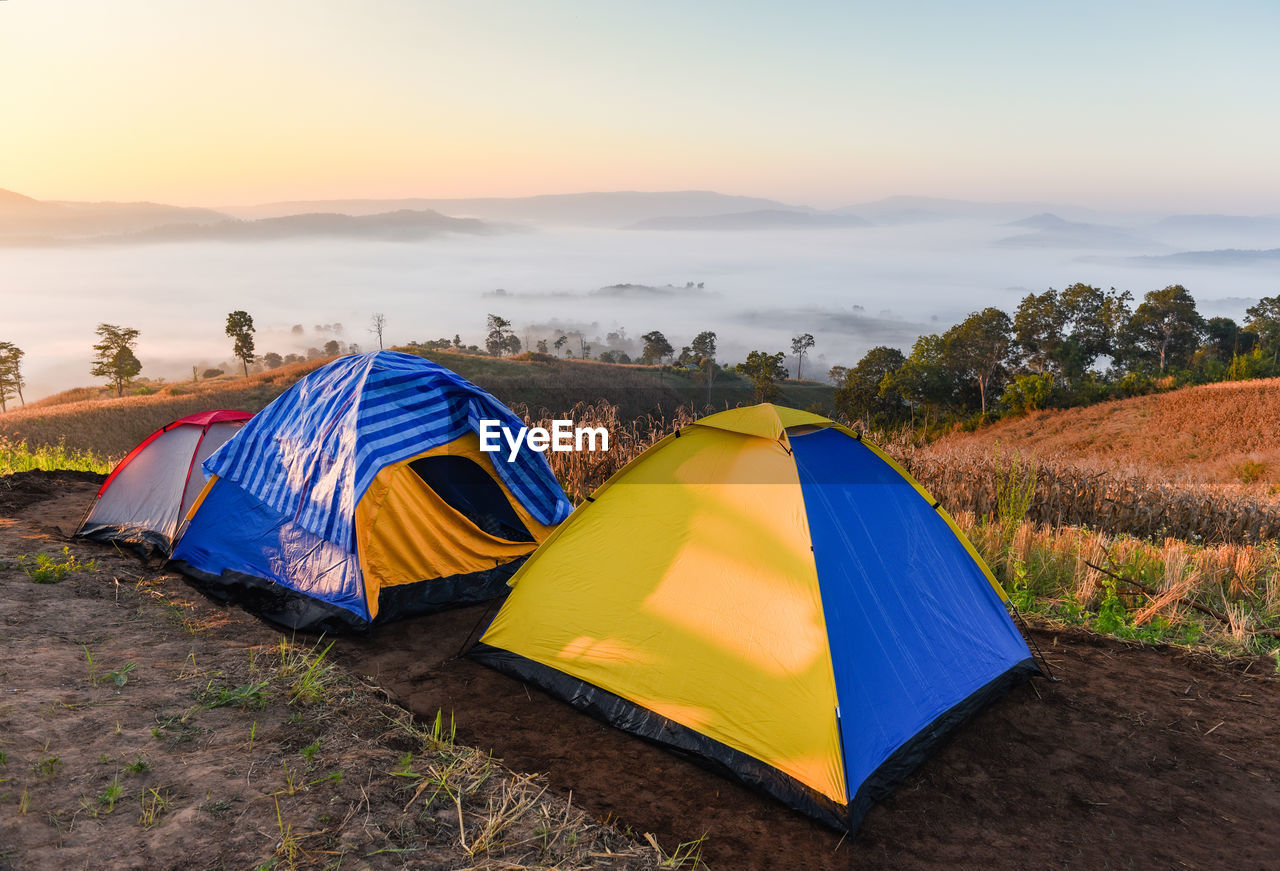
[(1224, 435)]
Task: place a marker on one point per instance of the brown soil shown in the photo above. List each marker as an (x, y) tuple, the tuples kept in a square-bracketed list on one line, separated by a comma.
[(138, 759), (1137, 758)]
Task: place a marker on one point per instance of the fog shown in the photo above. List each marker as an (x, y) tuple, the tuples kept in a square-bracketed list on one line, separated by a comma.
[(853, 288)]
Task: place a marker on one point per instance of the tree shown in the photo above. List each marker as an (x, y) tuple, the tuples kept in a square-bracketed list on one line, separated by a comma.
[(800, 346), (560, 343), (376, 325), (272, 360), (764, 371), (11, 380), (543, 348), (1222, 337), (501, 339), (1264, 320), (115, 359), (703, 345), (1095, 320), (1166, 327), (656, 348), (863, 393), (1038, 330), (978, 348), (925, 380), (332, 348), (240, 328)]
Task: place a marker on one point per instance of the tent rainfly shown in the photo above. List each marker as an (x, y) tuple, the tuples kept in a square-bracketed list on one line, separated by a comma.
[(145, 497), (767, 591)]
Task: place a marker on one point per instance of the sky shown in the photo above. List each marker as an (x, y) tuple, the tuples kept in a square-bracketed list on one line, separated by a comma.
[(1149, 105)]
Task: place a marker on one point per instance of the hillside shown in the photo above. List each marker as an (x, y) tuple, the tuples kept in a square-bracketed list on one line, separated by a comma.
[(1221, 434), (111, 426)]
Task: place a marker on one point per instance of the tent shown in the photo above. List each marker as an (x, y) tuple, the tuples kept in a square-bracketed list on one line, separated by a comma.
[(361, 495), (143, 500), (767, 592)]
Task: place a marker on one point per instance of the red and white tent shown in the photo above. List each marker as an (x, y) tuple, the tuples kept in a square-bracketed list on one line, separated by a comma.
[(145, 497)]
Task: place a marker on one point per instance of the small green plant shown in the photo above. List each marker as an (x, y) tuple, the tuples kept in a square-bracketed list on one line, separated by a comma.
[(43, 568), (24, 803), (218, 808), (92, 666), (109, 796), (405, 768), (139, 766), (308, 671), (1251, 471), (120, 676), (154, 804), (48, 766), (309, 752), (253, 733), (1111, 611), (250, 695)]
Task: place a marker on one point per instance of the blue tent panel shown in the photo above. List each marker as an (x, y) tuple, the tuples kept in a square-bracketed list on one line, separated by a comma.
[(235, 534), (915, 628)]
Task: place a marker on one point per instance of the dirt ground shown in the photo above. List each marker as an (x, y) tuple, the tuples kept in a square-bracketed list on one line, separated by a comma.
[(143, 726), (1136, 758)]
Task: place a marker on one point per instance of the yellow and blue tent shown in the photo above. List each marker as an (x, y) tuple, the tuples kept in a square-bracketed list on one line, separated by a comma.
[(361, 495), (769, 593)]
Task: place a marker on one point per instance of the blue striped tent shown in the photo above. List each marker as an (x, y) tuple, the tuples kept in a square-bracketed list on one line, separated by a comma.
[(361, 494)]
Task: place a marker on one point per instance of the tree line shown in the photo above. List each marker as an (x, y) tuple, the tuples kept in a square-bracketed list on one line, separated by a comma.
[(1059, 349)]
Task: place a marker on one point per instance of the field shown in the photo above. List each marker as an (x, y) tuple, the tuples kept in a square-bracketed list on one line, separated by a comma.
[(1224, 436), (1147, 569)]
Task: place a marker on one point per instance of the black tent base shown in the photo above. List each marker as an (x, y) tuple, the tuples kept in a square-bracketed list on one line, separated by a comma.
[(147, 543), (294, 610), (719, 757)]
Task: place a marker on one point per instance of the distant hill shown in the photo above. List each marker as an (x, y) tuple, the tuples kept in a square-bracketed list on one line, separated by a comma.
[(22, 217), (1221, 223), (762, 219), (615, 210), (1221, 257), (401, 226), (1225, 434), (913, 210), (111, 427), (1052, 231)]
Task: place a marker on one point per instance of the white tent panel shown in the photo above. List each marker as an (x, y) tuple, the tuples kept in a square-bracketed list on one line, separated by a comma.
[(215, 436), (147, 494)]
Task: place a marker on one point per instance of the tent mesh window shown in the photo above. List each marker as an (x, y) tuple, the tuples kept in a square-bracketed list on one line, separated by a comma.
[(473, 493)]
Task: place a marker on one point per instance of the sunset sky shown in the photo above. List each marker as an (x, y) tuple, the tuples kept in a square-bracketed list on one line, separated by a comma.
[(1162, 105)]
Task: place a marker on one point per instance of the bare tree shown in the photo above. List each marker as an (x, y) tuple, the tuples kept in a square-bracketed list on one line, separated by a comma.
[(376, 325), (800, 346)]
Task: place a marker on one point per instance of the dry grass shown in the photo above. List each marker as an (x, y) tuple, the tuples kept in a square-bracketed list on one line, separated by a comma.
[(111, 427), (581, 472), (1225, 436), (1054, 571), (964, 476)]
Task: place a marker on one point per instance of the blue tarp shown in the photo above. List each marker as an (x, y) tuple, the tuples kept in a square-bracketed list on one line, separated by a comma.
[(313, 452)]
